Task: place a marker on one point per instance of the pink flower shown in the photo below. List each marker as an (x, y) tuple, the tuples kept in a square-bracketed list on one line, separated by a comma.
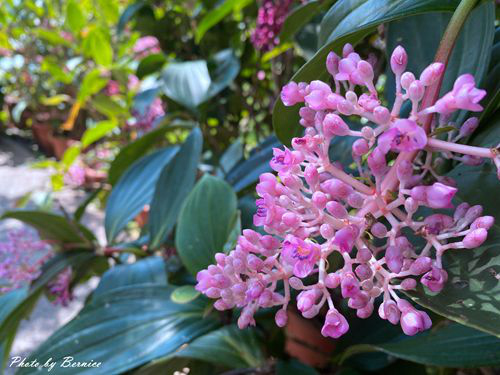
[(146, 46), (464, 95), (75, 175), (345, 238), (435, 279), (270, 18), (405, 136), (60, 287), (437, 195), (133, 82), (335, 324), (414, 321), (292, 94), (113, 88), (145, 122), (399, 60), (284, 160), (302, 255)]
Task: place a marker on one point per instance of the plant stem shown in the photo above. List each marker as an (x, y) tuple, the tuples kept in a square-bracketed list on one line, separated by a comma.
[(432, 92), (482, 152)]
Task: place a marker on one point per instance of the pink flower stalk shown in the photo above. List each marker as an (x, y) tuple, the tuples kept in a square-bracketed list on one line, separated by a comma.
[(270, 18), (145, 46), (60, 287), (145, 122), (314, 207), (22, 255)]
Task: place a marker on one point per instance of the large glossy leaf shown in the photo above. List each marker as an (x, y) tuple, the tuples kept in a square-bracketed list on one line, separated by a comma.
[(205, 223), (471, 52), (228, 346), (300, 16), (134, 190), (150, 270), (472, 294), (150, 64), (450, 346), (53, 227), (347, 21), (248, 171), (125, 328), (191, 83), (173, 186), (134, 150)]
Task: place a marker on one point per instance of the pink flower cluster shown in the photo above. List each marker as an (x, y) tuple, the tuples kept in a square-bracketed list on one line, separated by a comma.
[(22, 255), (270, 19), (145, 121), (145, 46), (314, 209)]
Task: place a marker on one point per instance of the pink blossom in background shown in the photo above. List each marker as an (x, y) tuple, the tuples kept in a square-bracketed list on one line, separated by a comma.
[(75, 175), (145, 122), (270, 18), (22, 255), (133, 83), (315, 206), (112, 88), (146, 46)]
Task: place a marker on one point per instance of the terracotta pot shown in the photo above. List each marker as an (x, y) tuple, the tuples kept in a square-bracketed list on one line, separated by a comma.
[(93, 176), (305, 342), (60, 145), (43, 136)]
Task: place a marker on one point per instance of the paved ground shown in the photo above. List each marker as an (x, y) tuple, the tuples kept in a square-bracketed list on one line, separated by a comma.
[(17, 179)]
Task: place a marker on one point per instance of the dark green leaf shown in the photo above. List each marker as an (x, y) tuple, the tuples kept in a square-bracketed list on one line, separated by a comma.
[(294, 367), (173, 186), (125, 328), (451, 346), (248, 171), (205, 222), (134, 189), (52, 226), (150, 64), (191, 83), (134, 150), (128, 13), (471, 52), (299, 17), (228, 346), (471, 295), (347, 22), (150, 270)]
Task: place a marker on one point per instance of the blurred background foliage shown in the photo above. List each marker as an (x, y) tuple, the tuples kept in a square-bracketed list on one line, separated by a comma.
[(162, 111)]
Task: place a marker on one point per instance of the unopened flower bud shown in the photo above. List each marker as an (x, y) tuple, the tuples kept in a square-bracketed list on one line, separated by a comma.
[(379, 230), (407, 79), (399, 59), (281, 318), (475, 238), (431, 74), (326, 230), (416, 91), (332, 280), (360, 147), (485, 222), (337, 210), (334, 125), (409, 284), (332, 63), (468, 127), (319, 200), (382, 115)]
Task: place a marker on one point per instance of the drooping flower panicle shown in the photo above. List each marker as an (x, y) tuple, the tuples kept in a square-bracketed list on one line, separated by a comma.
[(316, 207)]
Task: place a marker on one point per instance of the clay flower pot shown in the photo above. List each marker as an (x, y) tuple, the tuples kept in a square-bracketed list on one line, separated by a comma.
[(305, 342), (43, 134)]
